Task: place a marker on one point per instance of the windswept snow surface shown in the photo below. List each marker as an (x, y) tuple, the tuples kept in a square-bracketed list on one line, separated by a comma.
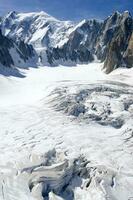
[(67, 133)]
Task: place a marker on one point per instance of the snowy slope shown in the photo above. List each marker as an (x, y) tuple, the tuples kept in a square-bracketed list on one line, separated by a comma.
[(39, 29), (48, 151)]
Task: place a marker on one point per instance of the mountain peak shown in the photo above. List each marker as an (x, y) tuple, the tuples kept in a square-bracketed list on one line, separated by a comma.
[(42, 15), (11, 14), (118, 14), (55, 40), (126, 13)]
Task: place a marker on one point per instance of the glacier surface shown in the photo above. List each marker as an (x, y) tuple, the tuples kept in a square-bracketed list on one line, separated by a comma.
[(66, 133)]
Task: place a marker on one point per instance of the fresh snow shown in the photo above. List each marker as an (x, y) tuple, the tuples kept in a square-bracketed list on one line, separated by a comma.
[(48, 150)]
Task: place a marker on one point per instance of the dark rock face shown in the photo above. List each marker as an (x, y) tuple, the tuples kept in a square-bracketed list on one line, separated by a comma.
[(117, 54), (114, 58), (110, 41), (128, 56), (80, 55), (80, 45), (24, 51), (5, 45)]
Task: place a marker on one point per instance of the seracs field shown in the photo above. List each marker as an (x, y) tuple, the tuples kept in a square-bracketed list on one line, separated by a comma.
[(66, 133)]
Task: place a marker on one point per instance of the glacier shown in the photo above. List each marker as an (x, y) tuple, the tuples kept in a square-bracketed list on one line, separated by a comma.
[(53, 143)]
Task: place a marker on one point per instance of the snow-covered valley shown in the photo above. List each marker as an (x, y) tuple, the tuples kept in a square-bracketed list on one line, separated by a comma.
[(67, 133)]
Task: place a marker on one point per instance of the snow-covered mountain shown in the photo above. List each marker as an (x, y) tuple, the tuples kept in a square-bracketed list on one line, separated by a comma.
[(61, 42), (66, 133), (39, 29)]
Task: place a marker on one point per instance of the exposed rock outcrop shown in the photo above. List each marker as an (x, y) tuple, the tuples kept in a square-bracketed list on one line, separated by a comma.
[(128, 56), (5, 45), (80, 46), (110, 41), (14, 53), (117, 49)]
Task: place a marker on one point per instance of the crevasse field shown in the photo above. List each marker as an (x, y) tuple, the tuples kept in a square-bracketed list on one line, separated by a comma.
[(66, 133)]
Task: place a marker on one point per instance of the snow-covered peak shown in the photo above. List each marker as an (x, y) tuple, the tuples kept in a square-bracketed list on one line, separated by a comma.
[(37, 28), (11, 14), (33, 15), (28, 15), (56, 40)]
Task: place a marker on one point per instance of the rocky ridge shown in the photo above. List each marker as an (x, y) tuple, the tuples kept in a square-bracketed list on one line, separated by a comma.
[(62, 42)]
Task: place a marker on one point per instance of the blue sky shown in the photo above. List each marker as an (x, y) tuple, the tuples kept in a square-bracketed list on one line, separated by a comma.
[(68, 9)]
